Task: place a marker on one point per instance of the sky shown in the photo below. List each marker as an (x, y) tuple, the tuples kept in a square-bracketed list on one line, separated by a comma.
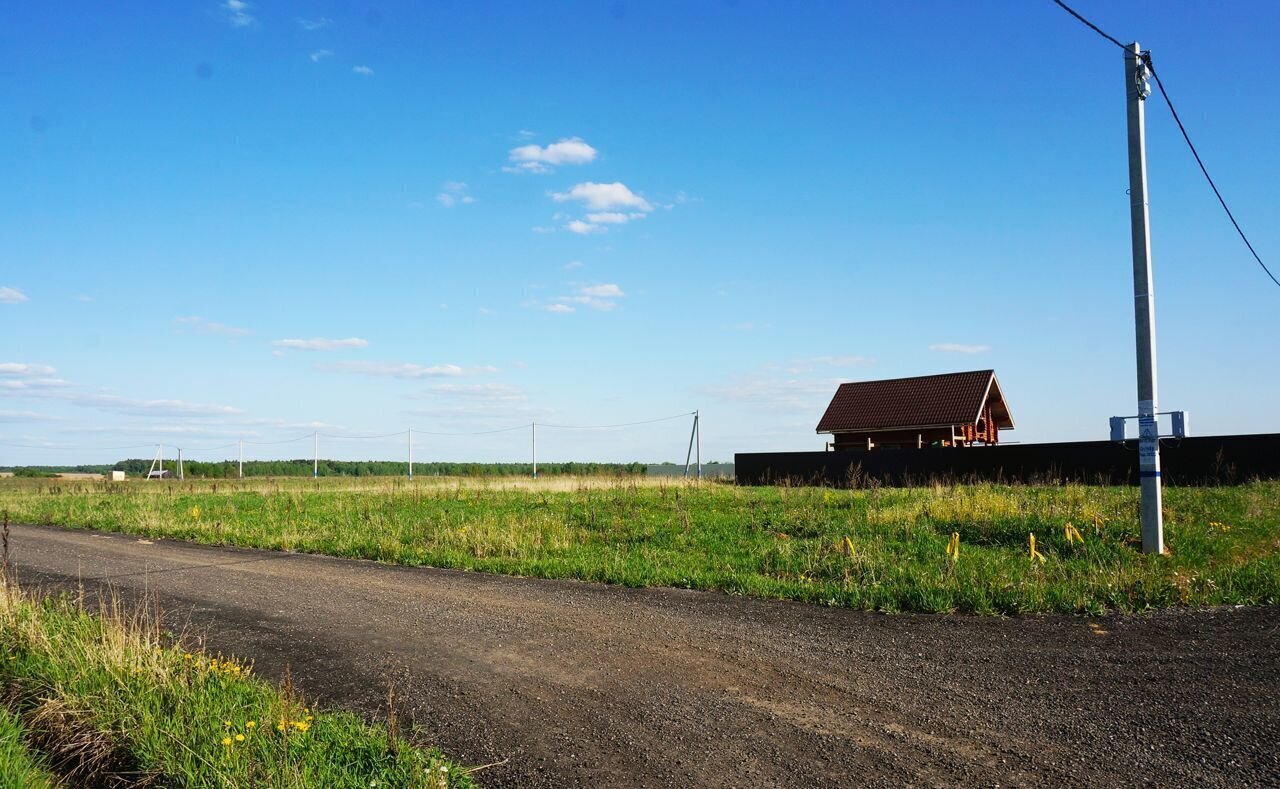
[(256, 221)]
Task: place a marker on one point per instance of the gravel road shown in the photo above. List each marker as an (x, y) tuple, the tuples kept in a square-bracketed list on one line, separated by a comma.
[(578, 684)]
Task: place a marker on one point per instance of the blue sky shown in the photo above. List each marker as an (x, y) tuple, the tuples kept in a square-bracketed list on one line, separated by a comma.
[(256, 220)]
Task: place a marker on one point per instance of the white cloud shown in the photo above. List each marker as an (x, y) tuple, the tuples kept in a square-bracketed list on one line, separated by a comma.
[(314, 23), (213, 327), (452, 193), (584, 228), (955, 347), (607, 291), (84, 298), (808, 365), (321, 344), (12, 296), (238, 13), (31, 384), (20, 379), (597, 297), (363, 71), (128, 405), (525, 134), (542, 159), (320, 54), (768, 392), (407, 370), (612, 217), (24, 416), (604, 197), (573, 264), (26, 370)]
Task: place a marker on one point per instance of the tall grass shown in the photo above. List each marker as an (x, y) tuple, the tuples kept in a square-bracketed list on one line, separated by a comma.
[(882, 549), (103, 700)]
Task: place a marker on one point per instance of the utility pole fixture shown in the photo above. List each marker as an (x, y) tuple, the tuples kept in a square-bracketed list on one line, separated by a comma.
[(179, 464), (1136, 74)]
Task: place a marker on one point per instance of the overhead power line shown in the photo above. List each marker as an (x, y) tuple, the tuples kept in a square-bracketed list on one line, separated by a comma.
[(1146, 57)]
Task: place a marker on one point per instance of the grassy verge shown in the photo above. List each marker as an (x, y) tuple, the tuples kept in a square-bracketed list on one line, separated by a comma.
[(19, 765), (99, 700), (882, 549)]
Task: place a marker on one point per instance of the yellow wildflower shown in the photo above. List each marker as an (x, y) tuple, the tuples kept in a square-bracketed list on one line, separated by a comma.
[(226, 740), (250, 724), (239, 738)]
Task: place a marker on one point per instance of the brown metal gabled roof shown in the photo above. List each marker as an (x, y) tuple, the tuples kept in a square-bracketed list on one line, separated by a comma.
[(923, 401)]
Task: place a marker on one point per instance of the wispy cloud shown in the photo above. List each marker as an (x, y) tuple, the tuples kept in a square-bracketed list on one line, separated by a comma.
[(573, 264), (544, 159), (406, 370), (320, 54), (597, 297), (25, 370), (363, 71), (955, 347), (321, 344), (128, 405), (452, 193), (12, 296), (25, 416), (213, 327), (813, 363), (584, 228), (238, 13), (769, 392), (20, 379), (314, 23)]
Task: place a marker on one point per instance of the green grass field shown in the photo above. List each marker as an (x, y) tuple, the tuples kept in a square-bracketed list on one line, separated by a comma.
[(880, 549), (101, 699)]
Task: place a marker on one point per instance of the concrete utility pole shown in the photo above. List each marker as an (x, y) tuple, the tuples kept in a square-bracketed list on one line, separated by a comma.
[(1137, 90), (315, 466), (534, 427), (410, 454), (179, 464), (697, 428)]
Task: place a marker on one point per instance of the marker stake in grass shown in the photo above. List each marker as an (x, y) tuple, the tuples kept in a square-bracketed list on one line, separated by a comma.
[(1072, 534), (1035, 555)]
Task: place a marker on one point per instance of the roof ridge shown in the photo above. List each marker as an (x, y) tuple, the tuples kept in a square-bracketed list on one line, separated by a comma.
[(918, 377)]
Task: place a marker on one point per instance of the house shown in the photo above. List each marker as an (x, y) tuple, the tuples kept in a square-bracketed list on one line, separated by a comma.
[(948, 410)]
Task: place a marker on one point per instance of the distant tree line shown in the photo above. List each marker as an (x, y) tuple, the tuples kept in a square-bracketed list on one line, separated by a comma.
[(228, 469)]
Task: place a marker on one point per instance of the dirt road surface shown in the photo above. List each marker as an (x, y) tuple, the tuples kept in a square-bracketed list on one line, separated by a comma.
[(587, 685)]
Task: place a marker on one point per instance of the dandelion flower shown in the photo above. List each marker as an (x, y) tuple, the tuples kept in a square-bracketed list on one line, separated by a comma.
[(226, 740), (250, 724), (239, 738)]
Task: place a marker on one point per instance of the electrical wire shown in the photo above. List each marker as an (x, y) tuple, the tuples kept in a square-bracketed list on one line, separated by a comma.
[(1146, 57), (285, 441), (624, 424), (384, 435), (472, 433)]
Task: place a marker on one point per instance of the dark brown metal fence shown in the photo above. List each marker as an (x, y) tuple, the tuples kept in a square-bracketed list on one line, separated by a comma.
[(1204, 460)]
